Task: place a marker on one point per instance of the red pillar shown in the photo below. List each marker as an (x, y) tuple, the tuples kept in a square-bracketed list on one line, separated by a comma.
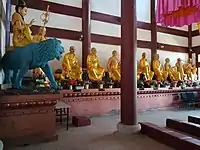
[(190, 41), (86, 31), (153, 30), (129, 122)]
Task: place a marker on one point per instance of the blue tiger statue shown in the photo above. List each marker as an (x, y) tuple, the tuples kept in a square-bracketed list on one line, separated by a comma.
[(31, 56)]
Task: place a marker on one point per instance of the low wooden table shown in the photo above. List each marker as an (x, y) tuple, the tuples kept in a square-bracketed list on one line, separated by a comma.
[(62, 109)]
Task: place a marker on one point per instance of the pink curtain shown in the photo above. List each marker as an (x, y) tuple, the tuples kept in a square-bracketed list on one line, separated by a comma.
[(166, 8)]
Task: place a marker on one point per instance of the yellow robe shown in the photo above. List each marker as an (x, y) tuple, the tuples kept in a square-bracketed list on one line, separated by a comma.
[(145, 69), (114, 68), (95, 71), (21, 32), (180, 70), (71, 68), (157, 68)]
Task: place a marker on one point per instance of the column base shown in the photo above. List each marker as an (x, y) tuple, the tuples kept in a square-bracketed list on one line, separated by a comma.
[(128, 129)]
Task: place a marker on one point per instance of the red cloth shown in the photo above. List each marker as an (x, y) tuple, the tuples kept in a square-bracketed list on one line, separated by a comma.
[(177, 12)]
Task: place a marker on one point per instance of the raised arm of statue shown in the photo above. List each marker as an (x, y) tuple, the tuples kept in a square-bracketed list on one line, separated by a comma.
[(17, 22), (89, 61), (108, 64)]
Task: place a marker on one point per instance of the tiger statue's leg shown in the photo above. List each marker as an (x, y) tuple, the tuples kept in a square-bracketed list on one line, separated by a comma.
[(47, 70), (7, 79), (22, 71)]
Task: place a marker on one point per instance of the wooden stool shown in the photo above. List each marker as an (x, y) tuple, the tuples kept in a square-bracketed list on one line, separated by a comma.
[(80, 121), (62, 109)]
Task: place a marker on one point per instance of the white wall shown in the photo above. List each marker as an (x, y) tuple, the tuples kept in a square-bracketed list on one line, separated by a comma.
[(4, 4), (173, 56), (74, 3), (196, 39), (3, 38), (172, 39), (194, 26)]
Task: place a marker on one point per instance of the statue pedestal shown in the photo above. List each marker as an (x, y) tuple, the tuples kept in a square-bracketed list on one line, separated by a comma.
[(28, 119)]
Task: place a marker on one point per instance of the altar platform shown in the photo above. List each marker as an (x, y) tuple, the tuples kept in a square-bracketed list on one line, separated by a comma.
[(95, 102), (27, 118)]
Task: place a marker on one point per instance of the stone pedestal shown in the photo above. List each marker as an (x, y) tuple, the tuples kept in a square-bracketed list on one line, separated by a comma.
[(27, 119), (128, 129)]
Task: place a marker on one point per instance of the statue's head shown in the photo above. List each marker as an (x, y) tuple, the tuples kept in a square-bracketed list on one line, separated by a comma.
[(179, 60), (189, 60), (114, 53), (50, 49), (59, 49), (156, 56), (167, 60), (21, 8), (144, 55), (94, 51), (42, 31), (72, 49)]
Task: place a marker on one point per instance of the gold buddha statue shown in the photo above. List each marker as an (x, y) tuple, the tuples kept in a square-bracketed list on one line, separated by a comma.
[(167, 68), (95, 71), (70, 66), (21, 31), (180, 69), (145, 68), (190, 70), (170, 71), (113, 66), (157, 68), (41, 36)]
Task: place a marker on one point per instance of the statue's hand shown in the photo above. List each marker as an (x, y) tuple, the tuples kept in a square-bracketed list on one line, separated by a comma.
[(31, 23)]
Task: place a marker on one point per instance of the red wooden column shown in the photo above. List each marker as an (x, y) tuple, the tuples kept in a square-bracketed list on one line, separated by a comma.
[(153, 30), (86, 31), (129, 123), (190, 41)]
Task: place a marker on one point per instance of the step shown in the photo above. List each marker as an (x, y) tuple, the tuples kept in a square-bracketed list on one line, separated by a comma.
[(176, 140), (184, 126), (194, 119)]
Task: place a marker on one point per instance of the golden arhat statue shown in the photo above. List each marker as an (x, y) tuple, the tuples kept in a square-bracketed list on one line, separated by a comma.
[(113, 66), (95, 71), (157, 68), (145, 68), (70, 66)]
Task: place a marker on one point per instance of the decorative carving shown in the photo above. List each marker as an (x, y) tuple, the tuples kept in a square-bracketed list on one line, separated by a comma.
[(115, 94)]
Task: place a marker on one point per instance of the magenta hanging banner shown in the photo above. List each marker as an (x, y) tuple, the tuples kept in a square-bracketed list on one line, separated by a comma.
[(177, 12)]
